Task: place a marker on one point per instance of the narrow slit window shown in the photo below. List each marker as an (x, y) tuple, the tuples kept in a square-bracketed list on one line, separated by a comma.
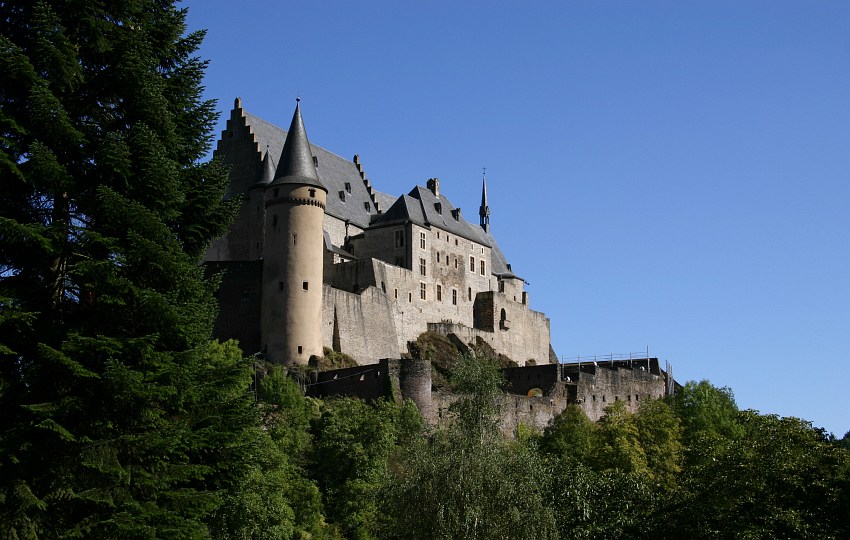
[(305, 285)]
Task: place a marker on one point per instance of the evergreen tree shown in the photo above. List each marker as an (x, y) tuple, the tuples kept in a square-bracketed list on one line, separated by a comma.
[(120, 418)]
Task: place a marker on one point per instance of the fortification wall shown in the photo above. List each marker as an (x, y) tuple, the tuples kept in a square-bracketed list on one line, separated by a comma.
[(526, 337), (595, 391), (365, 324)]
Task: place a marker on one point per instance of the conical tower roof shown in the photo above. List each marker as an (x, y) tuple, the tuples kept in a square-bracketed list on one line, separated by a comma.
[(267, 174), (296, 165)]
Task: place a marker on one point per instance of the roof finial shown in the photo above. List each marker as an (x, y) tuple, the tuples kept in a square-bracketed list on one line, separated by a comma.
[(484, 210)]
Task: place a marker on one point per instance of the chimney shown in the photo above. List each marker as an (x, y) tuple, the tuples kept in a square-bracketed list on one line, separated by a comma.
[(434, 186)]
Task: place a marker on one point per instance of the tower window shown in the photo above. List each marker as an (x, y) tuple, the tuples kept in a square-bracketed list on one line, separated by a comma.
[(422, 290), (472, 264), (422, 240), (300, 349), (304, 285), (439, 293), (455, 262), (396, 294), (410, 297), (438, 256), (399, 239), (469, 293), (294, 239), (455, 241), (454, 297), (312, 192), (483, 268), (422, 266)]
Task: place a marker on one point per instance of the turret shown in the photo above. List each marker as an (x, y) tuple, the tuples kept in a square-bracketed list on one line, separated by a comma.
[(295, 201), (484, 209)]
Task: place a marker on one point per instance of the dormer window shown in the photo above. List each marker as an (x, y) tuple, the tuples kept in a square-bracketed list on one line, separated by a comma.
[(438, 206), (456, 213), (367, 206), (342, 196), (348, 187)]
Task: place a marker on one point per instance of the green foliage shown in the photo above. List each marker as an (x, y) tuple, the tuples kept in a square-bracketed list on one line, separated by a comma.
[(120, 418), (570, 437), (354, 442), (660, 435), (619, 444), (708, 413), (276, 498), (466, 480)]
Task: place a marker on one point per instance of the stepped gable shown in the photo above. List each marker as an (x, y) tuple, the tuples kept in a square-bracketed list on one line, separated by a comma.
[(334, 172)]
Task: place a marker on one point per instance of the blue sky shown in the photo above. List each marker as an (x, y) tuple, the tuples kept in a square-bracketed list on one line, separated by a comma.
[(671, 175)]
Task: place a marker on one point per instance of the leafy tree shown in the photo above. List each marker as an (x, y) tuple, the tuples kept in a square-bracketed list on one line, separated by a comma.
[(619, 444), (120, 418), (276, 499), (660, 436), (354, 442), (780, 478), (571, 436), (466, 480), (707, 413)]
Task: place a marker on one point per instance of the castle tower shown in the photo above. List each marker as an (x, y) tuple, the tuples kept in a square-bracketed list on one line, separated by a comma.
[(484, 210), (291, 317)]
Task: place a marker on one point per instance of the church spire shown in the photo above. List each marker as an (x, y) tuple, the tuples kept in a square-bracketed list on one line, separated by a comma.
[(484, 210), (296, 164)]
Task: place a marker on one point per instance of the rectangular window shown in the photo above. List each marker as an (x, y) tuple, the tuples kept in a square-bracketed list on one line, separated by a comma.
[(422, 240), (472, 264), (422, 266), (454, 297), (439, 293), (304, 285), (396, 294), (469, 293), (483, 270), (455, 262), (422, 290), (438, 256), (399, 239), (501, 286), (294, 239)]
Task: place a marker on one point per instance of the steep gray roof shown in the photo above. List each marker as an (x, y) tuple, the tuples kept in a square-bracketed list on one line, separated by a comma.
[(295, 165), (499, 263), (424, 208), (334, 173)]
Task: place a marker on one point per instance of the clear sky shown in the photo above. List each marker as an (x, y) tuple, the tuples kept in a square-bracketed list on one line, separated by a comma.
[(672, 175)]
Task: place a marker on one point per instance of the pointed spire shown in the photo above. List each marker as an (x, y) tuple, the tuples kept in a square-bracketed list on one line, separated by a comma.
[(484, 210), (296, 165), (267, 174)]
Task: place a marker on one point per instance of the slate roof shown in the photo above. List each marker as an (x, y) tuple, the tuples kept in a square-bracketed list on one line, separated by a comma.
[(295, 165), (334, 172)]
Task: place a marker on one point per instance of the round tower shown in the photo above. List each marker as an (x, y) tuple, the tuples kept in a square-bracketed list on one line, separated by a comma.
[(291, 317)]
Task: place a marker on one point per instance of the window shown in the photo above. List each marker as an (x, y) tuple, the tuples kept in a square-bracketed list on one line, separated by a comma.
[(342, 196), (472, 264), (469, 293), (455, 241), (280, 285), (410, 297), (348, 187), (304, 285), (368, 206), (422, 289), (396, 294), (501, 286), (438, 254), (422, 240), (438, 235), (422, 267), (294, 239), (454, 297), (399, 239), (312, 193), (383, 288), (455, 262), (300, 349), (483, 269), (439, 293)]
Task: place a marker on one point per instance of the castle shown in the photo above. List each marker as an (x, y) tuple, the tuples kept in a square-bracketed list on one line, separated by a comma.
[(318, 260)]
